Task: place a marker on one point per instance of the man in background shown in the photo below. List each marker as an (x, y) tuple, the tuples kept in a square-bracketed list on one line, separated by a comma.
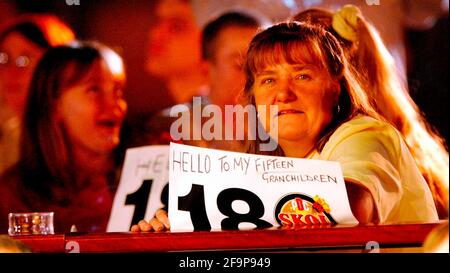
[(224, 43)]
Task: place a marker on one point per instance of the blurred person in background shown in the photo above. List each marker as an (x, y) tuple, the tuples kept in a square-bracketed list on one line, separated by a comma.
[(389, 94), (174, 56), (70, 157), (174, 52), (22, 44), (224, 42), (391, 18)]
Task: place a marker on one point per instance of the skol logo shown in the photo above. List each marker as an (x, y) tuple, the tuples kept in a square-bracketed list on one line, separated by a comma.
[(301, 210)]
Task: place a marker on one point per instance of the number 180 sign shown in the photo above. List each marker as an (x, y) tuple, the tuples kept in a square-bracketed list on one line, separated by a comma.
[(217, 190)]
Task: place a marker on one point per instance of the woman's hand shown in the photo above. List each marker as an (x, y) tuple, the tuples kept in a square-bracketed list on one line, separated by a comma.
[(361, 203), (158, 223)]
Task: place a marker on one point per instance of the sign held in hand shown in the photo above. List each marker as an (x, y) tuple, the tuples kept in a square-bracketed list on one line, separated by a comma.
[(143, 187), (218, 190)]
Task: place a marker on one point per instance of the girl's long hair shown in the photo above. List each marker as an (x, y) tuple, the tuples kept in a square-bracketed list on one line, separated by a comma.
[(46, 161), (389, 95)]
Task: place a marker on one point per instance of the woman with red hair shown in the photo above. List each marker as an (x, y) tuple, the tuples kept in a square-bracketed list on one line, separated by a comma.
[(22, 44)]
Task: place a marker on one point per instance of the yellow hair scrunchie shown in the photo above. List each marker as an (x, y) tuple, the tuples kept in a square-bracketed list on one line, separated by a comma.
[(345, 22)]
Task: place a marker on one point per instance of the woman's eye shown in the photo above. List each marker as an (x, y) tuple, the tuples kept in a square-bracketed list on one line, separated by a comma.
[(267, 81), (303, 77)]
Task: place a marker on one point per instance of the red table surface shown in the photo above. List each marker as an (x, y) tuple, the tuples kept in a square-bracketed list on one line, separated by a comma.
[(407, 235)]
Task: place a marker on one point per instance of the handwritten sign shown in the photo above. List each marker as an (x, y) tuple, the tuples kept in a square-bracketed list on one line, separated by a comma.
[(143, 187), (212, 190)]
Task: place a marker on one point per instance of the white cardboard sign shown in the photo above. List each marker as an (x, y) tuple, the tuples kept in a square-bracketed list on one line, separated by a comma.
[(218, 190), (143, 187)]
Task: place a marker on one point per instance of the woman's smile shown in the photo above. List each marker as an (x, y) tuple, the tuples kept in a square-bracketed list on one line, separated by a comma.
[(289, 112)]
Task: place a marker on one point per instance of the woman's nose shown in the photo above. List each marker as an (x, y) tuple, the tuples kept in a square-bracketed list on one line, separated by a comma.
[(286, 92), (114, 103)]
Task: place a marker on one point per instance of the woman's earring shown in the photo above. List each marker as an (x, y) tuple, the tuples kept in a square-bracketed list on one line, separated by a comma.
[(337, 109)]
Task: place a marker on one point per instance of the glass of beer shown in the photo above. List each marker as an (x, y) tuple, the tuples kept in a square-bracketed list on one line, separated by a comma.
[(32, 223)]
